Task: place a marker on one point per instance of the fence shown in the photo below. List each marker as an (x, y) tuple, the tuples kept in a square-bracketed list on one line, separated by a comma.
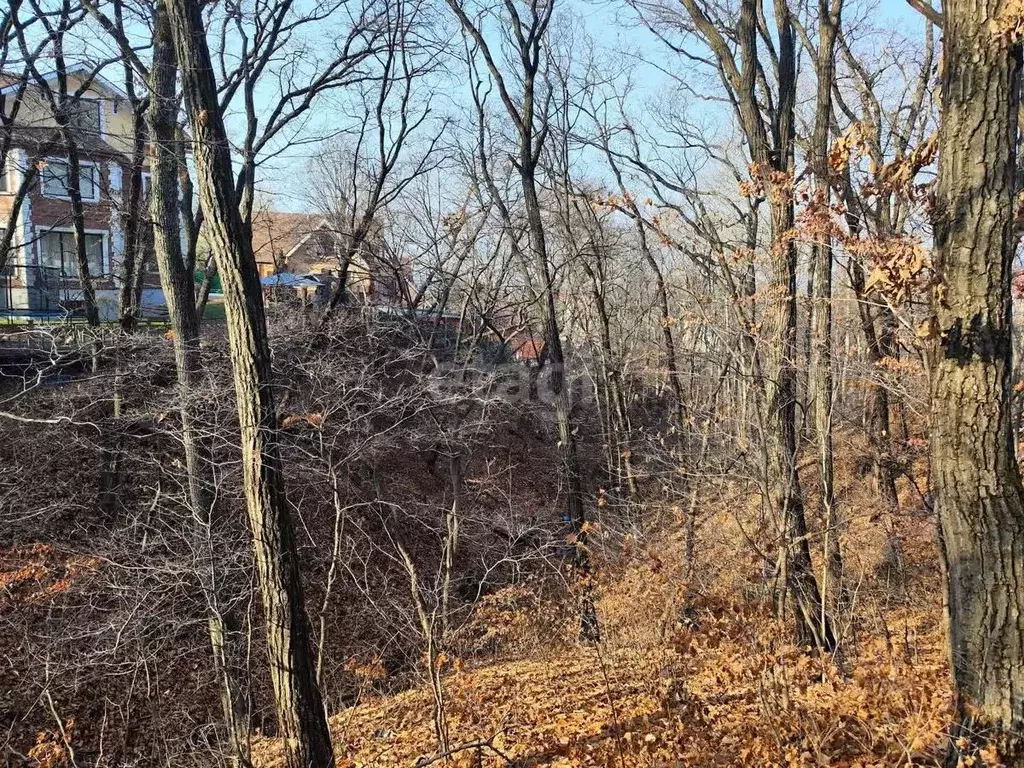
[(39, 294)]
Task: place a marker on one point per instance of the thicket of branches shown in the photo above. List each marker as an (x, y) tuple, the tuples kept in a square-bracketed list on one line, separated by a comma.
[(619, 281)]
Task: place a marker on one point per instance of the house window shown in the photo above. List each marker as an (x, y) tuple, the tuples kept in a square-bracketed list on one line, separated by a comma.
[(85, 115), (57, 253), (4, 173), (147, 185), (56, 175)]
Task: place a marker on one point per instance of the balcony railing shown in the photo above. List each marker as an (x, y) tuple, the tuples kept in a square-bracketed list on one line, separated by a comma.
[(40, 294)]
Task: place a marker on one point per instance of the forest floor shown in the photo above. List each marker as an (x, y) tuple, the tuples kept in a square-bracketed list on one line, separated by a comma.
[(694, 675)]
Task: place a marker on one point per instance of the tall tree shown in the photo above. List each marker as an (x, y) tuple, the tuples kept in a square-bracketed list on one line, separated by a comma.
[(741, 54), (133, 260), (821, 309), (300, 712), (975, 477), (525, 31), (179, 293)]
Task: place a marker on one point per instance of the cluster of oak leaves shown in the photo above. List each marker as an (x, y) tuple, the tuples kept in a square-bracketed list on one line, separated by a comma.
[(693, 674)]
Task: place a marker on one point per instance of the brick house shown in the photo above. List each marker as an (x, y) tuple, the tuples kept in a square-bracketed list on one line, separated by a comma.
[(41, 279)]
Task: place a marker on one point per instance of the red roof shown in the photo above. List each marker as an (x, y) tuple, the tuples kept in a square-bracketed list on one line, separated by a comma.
[(275, 233), (1017, 285), (525, 345)]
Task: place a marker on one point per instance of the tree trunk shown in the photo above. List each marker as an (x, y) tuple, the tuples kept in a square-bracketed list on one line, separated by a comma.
[(620, 430), (92, 315), (976, 482), (132, 215), (575, 508), (786, 497), (300, 712), (773, 162), (879, 436), (225, 641), (821, 310)]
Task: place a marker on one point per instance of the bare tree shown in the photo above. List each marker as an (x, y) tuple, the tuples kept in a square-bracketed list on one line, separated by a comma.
[(829, 12), (179, 293), (301, 717), (525, 30), (361, 176), (891, 132), (742, 47)]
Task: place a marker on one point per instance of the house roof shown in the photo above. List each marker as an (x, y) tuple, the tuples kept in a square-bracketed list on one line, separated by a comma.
[(10, 81), (276, 234), (290, 280), (46, 141), (526, 345)]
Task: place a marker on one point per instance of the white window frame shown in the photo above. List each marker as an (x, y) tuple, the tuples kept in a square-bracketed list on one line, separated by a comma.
[(104, 258), (98, 101), (82, 164), (6, 172)]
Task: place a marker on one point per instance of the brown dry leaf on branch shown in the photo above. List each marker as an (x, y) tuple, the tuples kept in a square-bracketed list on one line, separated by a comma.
[(850, 146), (900, 267), (899, 175)]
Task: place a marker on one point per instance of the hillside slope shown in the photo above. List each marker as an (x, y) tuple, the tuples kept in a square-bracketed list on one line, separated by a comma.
[(698, 678)]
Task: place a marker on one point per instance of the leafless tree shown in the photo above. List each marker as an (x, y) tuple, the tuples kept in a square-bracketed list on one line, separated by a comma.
[(525, 30), (301, 717), (366, 172)]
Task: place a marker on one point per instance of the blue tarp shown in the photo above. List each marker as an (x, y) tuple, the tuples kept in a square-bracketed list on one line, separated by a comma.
[(289, 280)]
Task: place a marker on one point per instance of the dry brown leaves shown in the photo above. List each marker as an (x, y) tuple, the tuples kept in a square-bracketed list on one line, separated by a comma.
[(37, 573), (723, 689)]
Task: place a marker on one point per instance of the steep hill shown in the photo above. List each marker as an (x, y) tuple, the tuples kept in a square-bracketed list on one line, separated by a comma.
[(692, 675)]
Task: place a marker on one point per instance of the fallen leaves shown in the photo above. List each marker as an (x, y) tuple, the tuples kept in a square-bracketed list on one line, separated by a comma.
[(728, 691)]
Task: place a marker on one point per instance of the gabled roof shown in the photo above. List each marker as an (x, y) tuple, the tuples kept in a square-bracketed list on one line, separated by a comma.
[(47, 141), (276, 235), (305, 238), (98, 81)]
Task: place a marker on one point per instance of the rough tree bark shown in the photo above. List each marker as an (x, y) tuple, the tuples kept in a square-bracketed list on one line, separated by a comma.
[(976, 481), (179, 292), (821, 307), (300, 712)]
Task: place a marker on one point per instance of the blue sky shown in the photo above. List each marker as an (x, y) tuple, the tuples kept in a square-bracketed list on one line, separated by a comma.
[(608, 23), (611, 26)]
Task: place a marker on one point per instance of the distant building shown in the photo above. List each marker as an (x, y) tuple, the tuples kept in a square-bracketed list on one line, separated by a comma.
[(525, 346), (307, 244)]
